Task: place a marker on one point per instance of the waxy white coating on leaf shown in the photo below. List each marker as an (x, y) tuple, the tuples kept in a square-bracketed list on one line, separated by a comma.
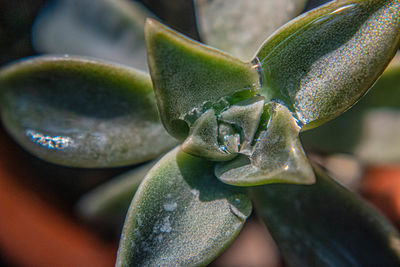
[(322, 62), (82, 112), (187, 217)]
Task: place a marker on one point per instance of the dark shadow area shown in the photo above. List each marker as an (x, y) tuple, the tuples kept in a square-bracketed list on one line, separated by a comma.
[(16, 18), (328, 223), (314, 3), (178, 14)]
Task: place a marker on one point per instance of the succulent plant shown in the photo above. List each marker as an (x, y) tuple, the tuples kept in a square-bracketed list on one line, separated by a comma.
[(369, 130), (237, 118)]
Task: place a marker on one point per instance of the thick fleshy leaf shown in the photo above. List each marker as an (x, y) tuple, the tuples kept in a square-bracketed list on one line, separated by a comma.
[(325, 224), (324, 61), (107, 204), (189, 78), (277, 156), (221, 137), (107, 29), (246, 116), (80, 112), (203, 139), (239, 27), (181, 215), (370, 129)]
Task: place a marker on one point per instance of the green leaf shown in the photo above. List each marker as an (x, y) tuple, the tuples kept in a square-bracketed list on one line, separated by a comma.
[(239, 27), (203, 139), (277, 156), (189, 78), (107, 29), (181, 215), (80, 112), (245, 115), (107, 204), (221, 137), (370, 129), (322, 62), (325, 224)]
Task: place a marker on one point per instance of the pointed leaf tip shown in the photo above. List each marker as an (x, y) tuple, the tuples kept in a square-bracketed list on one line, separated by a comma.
[(277, 156), (321, 63), (189, 77)]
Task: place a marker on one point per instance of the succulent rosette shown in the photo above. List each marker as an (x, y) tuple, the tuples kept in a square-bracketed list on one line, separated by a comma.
[(234, 108)]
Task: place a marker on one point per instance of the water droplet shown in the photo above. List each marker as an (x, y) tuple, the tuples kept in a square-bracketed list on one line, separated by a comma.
[(203, 138), (232, 143)]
